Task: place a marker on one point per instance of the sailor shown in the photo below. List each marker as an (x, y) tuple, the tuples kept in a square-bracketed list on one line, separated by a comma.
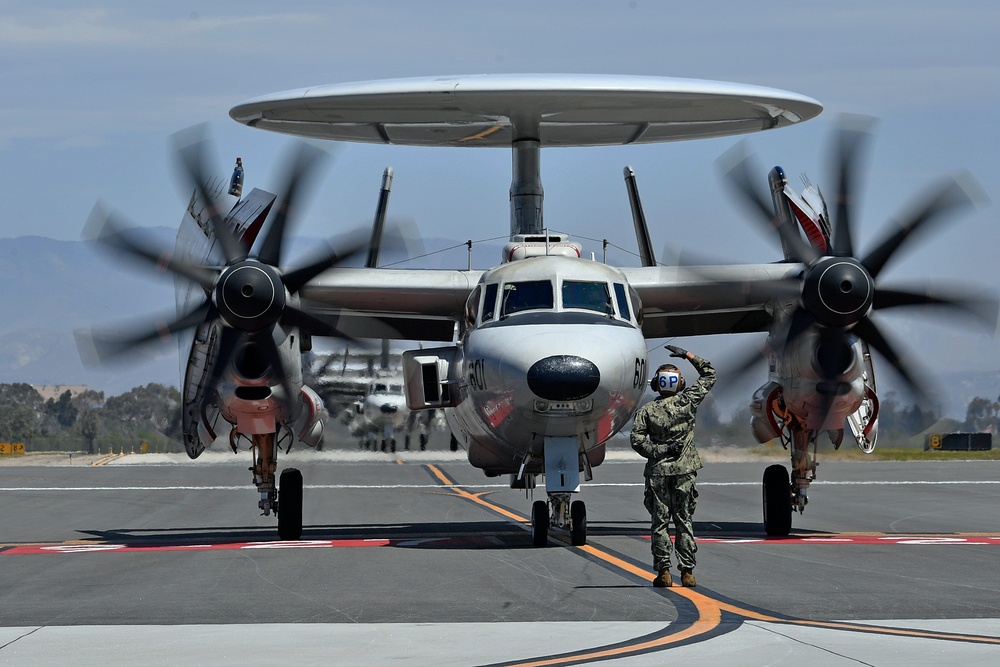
[(663, 433)]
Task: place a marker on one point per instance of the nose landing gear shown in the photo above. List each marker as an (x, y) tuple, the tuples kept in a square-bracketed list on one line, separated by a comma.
[(565, 515)]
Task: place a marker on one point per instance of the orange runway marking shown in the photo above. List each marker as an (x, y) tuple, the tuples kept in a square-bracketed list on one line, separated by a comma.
[(709, 610)]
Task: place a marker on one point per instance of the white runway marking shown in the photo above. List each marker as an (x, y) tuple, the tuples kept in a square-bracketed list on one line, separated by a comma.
[(432, 485)]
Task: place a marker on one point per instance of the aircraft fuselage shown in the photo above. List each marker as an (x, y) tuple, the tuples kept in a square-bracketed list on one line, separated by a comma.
[(551, 352)]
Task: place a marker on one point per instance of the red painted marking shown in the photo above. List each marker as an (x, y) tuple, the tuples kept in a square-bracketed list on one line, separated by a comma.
[(35, 549), (905, 540)]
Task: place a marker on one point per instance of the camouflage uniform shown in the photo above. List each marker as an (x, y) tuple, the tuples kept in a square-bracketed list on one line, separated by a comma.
[(663, 433)]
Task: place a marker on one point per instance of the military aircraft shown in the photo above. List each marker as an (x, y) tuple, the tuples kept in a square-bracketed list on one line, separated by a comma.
[(370, 402), (543, 357)]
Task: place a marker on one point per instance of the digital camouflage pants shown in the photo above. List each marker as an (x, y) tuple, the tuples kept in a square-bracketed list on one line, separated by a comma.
[(672, 498)]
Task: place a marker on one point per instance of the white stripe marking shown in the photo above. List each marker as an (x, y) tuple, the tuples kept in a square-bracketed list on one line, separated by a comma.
[(25, 489)]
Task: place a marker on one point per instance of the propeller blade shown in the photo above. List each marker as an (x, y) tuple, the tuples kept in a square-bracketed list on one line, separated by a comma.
[(982, 308), (802, 320), (735, 369), (736, 164), (101, 347), (295, 279), (852, 136), (301, 166), (229, 339), (869, 332), (190, 146), (954, 193), (306, 321), (110, 230), (265, 340)]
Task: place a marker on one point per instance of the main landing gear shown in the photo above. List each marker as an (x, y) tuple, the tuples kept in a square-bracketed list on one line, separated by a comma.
[(289, 511), (783, 495), (566, 515)]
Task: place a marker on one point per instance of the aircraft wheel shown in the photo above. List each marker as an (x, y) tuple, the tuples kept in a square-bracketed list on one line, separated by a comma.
[(539, 523), (777, 501), (578, 523), (290, 505)]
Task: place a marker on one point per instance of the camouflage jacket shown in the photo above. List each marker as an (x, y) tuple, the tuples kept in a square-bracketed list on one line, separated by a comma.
[(663, 429)]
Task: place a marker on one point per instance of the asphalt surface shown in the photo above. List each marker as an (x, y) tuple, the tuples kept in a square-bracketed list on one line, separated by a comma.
[(419, 558)]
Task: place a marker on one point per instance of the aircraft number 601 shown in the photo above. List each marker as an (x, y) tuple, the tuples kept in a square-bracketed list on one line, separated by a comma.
[(640, 372), (477, 375)]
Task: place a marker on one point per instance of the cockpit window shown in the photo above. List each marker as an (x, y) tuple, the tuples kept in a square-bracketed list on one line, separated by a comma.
[(472, 307), (379, 388), (529, 295), (588, 295), (636, 304), (490, 302), (622, 301)]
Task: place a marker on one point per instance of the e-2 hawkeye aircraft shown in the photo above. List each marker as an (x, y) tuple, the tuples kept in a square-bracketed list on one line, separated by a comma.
[(544, 356)]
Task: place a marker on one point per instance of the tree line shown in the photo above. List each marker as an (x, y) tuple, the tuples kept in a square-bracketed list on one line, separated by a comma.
[(90, 421), (94, 423)]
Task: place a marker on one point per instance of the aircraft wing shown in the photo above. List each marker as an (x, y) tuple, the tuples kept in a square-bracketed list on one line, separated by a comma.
[(695, 301), (402, 304), (424, 304)]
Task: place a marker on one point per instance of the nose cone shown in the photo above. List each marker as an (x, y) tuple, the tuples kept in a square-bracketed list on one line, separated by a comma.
[(388, 409), (563, 378)]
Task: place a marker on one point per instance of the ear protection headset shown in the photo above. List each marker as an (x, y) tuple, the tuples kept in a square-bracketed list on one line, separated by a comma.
[(667, 380)]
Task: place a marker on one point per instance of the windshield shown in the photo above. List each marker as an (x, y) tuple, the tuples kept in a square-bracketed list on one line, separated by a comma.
[(529, 295), (588, 295)]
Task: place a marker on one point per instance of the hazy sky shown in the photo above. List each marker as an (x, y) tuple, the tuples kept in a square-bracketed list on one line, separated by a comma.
[(92, 91)]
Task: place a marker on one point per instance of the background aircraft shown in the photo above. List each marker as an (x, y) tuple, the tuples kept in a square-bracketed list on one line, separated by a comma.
[(550, 358), (364, 391)]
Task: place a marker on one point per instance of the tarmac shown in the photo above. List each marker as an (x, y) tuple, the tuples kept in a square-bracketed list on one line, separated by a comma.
[(417, 558)]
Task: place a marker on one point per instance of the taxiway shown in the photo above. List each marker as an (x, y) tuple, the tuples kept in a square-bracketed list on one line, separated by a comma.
[(419, 558)]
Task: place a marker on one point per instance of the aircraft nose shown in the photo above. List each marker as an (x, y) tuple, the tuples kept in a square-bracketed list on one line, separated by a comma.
[(563, 378), (388, 408)]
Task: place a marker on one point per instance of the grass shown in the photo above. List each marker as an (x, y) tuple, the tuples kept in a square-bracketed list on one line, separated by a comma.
[(888, 453)]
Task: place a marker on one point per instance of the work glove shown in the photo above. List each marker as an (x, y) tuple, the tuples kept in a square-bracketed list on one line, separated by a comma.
[(677, 351)]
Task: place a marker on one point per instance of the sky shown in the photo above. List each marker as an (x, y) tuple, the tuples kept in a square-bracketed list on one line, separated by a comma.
[(92, 91)]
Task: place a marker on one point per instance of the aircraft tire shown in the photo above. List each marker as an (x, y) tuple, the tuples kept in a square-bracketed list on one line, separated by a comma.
[(578, 523), (539, 523), (290, 505), (777, 501)]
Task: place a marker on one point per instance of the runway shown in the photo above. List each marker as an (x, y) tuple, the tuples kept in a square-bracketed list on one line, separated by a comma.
[(418, 558)]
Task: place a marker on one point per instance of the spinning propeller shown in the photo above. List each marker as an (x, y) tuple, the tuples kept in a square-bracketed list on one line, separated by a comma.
[(249, 296), (837, 294)]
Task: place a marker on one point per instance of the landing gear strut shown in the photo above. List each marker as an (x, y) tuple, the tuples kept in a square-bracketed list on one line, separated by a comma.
[(265, 458)]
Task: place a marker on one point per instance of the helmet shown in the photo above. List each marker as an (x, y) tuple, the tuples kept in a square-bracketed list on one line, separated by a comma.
[(667, 380)]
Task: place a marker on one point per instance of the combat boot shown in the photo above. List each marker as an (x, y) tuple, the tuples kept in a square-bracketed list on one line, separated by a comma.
[(687, 579), (663, 579)]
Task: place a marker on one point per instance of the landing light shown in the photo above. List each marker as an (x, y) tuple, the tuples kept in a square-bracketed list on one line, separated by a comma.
[(564, 408)]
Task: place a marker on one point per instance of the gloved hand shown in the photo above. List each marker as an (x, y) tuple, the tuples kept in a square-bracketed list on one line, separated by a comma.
[(676, 351)]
